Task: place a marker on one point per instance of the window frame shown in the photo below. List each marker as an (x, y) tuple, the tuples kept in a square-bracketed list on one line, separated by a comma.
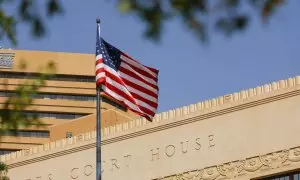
[(289, 174)]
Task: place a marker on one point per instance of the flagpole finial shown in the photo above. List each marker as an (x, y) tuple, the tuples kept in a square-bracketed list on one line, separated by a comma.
[(98, 20)]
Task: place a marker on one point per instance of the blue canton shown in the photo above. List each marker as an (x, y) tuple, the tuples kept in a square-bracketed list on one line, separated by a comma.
[(110, 54)]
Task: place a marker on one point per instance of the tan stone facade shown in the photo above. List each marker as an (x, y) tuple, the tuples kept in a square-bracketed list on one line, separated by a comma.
[(251, 134), (66, 103)]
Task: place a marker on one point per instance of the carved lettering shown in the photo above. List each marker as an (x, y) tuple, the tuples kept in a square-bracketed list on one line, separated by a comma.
[(155, 154), (184, 146), (127, 160), (198, 144), (211, 140), (88, 170), (170, 150), (114, 165), (74, 175), (50, 177)]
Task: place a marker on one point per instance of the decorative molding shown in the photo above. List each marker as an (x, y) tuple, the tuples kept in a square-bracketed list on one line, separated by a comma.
[(188, 114), (7, 57), (89, 138), (212, 105), (243, 167)]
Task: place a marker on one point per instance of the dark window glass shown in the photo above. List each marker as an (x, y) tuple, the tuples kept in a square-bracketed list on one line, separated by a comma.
[(69, 134), (57, 77), (54, 115), (54, 96), (287, 176), (7, 151), (67, 97), (26, 133)]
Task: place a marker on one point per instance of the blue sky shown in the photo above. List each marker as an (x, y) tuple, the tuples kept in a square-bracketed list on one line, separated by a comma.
[(189, 71)]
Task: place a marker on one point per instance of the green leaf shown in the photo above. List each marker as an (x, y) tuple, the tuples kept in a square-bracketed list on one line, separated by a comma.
[(53, 8), (38, 28), (125, 6)]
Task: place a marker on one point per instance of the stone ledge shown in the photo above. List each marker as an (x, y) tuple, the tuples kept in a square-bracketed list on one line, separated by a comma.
[(172, 118)]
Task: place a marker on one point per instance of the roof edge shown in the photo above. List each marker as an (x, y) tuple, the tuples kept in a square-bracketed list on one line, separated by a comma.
[(200, 108)]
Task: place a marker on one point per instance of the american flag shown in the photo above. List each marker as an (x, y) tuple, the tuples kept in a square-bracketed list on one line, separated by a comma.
[(126, 80)]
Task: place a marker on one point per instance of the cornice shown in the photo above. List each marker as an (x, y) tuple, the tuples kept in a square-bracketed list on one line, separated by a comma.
[(90, 137), (166, 120), (212, 105)]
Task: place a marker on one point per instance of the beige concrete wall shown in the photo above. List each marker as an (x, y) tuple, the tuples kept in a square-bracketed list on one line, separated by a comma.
[(66, 64), (243, 135), (82, 64), (12, 142), (88, 123)]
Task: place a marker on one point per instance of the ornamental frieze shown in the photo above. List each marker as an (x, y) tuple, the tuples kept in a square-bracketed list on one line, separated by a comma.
[(242, 167)]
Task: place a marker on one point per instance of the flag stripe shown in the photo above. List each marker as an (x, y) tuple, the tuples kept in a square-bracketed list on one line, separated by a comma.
[(155, 71), (100, 70), (142, 94), (135, 76), (145, 78), (128, 79), (99, 57), (138, 65), (146, 100), (141, 71), (120, 87), (112, 75), (124, 102), (141, 100), (100, 75), (99, 65), (119, 97), (133, 85), (100, 81), (129, 99), (149, 94), (132, 89)]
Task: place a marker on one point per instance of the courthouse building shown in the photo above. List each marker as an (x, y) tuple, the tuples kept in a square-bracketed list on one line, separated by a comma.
[(251, 134)]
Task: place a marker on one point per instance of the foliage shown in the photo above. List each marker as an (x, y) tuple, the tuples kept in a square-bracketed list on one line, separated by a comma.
[(200, 16), (28, 12), (12, 114), (3, 171)]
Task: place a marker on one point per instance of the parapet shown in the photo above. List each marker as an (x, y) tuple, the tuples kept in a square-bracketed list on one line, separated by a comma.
[(174, 115)]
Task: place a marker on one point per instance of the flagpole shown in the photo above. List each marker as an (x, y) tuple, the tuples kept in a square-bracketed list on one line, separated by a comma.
[(98, 125)]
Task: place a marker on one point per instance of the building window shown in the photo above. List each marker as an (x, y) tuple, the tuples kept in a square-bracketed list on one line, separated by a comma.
[(7, 151), (25, 133), (287, 176), (74, 97), (55, 115), (69, 134), (51, 115), (57, 77)]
